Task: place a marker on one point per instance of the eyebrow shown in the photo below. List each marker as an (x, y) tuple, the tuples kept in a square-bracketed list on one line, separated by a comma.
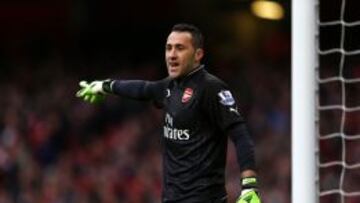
[(176, 44)]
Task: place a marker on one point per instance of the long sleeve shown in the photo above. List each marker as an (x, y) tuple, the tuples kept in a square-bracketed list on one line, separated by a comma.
[(222, 111), (138, 89), (244, 146)]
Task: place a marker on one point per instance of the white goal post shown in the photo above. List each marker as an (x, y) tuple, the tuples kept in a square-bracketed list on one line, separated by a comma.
[(325, 101), (303, 109)]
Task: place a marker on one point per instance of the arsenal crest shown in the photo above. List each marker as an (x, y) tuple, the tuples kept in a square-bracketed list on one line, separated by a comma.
[(187, 95)]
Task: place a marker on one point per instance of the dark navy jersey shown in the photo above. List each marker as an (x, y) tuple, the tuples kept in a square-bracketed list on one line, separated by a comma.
[(199, 111)]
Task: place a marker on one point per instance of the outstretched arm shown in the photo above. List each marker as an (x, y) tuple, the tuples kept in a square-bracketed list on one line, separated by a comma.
[(135, 89), (95, 91)]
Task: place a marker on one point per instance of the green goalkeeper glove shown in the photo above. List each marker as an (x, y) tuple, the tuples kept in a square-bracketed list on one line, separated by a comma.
[(249, 192), (92, 92)]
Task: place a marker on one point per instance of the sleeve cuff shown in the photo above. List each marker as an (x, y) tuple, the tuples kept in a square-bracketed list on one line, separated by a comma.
[(107, 85)]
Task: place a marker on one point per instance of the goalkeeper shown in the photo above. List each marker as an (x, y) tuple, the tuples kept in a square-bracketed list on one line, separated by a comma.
[(200, 112)]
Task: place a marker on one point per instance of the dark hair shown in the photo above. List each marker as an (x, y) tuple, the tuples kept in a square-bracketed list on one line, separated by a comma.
[(197, 37)]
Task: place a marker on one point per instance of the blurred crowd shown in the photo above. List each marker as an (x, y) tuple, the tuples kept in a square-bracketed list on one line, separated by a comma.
[(55, 148)]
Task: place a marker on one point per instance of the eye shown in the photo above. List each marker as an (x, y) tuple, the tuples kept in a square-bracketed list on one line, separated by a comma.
[(180, 47), (168, 47)]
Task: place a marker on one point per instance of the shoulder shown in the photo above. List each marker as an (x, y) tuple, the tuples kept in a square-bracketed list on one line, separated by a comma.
[(215, 89), (213, 84), (162, 83), (165, 81)]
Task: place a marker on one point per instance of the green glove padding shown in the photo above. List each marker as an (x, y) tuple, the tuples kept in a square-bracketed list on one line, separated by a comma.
[(249, 197), (249, 192), (91, 92)]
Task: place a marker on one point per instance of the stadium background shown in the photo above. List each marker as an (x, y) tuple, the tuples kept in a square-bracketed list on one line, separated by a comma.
[(56, 148)]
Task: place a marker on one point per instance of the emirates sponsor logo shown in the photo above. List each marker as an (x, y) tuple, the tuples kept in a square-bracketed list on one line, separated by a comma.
[(188, 93), (174, 133)]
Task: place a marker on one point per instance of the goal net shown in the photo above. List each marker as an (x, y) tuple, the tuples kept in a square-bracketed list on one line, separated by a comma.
[(338, 101)]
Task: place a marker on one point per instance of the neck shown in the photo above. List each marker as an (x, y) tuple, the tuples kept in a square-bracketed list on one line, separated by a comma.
[(194, 70)]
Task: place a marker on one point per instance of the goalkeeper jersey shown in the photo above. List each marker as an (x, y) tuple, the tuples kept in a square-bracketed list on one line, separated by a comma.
[(199, 111)]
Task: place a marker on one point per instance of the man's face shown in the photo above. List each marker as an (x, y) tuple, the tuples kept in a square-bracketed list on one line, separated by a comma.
[(180, 54)]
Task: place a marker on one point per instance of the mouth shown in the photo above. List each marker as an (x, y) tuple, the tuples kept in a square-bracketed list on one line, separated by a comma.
[(173, 66)]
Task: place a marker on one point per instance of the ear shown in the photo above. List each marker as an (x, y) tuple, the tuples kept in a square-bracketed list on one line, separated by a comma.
[(199, 54)]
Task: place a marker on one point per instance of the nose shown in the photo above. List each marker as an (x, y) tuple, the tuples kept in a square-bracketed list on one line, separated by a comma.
[(172, 54)]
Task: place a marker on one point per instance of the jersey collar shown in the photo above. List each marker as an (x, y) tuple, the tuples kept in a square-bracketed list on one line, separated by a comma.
[(194, 71), (183, 80)]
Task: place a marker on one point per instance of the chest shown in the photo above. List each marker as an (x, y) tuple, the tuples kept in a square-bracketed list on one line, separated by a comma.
[(183, 106)]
